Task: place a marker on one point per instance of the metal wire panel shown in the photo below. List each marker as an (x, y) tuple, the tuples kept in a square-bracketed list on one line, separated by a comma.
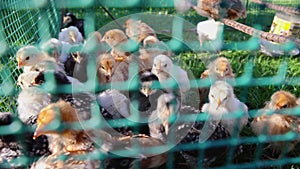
[(258, 76)]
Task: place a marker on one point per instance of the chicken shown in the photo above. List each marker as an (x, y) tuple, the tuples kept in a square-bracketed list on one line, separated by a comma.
[(281, 100), (168, 124), (28, 56), (138, 30), (151, 48), (68, 142), (210, 30), (105, 67), (167, 72), (117, 40), (219, 9), (223, 106), (71, 20), (279, 122), (30, 99), (219, 69), (70, 35)]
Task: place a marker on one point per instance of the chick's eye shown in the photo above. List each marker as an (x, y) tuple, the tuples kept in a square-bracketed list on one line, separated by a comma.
[(107, 37), (165, 65), (225, 98), (212, 96), (226, 69), (284, 106), (102, 67), (27, 58)]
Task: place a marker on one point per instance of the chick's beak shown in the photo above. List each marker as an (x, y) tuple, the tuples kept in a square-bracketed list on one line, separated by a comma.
[(222, 74), (38, 131), (20, 64), (218, 103), (108, 73), (166, 125), (147, 92), (158, 69), (103, 39)]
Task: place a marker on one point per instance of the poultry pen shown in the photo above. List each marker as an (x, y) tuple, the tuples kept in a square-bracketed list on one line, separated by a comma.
[(257, 77)]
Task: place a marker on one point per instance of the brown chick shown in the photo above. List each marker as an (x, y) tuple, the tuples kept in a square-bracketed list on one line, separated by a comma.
[(138, 30), (152, 47), (218, 9), (278, 123), (117, 40), (140, 143), (282, 99), (105, 66), (219, 69), (67, 140)]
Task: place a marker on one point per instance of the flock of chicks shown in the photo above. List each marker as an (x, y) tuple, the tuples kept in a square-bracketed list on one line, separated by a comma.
[(45, 100)]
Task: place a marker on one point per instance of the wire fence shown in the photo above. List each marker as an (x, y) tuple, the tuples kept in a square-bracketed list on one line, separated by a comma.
[(25, 22)]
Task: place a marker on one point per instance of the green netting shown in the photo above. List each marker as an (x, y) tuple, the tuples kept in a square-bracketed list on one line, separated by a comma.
[(25, 22)]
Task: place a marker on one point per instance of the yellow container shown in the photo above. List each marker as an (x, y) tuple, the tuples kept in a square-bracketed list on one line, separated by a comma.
[(286, 25)]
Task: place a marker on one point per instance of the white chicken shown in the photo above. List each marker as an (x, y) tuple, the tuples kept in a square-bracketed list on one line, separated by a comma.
[(28, 56), (31, 99), (223, 105), (166, 71)]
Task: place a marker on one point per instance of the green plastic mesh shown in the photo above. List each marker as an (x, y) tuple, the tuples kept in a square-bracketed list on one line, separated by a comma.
[(24, 22)]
